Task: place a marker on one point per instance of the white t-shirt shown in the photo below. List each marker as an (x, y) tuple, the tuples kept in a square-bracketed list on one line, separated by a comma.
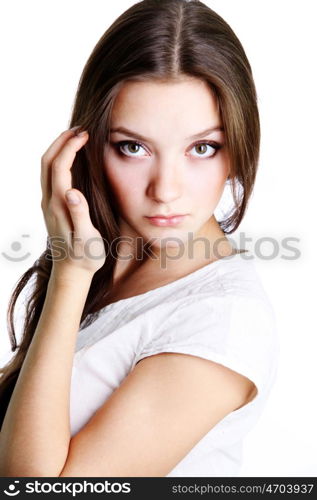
[(220, 312)]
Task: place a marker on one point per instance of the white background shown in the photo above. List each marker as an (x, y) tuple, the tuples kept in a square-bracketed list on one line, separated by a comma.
[(44, 46)]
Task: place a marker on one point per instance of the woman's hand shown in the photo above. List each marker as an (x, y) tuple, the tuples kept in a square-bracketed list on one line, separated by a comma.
[(76, 244)]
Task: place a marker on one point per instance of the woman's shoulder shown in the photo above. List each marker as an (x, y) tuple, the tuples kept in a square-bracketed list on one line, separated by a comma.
[(225, 316), (227, 305), (225, 279), (239, 276)]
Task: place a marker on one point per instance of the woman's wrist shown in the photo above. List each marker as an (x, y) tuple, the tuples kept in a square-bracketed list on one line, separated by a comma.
[(70, 276)]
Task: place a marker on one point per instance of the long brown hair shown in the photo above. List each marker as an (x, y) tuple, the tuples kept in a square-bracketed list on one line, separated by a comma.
[(152, 40)]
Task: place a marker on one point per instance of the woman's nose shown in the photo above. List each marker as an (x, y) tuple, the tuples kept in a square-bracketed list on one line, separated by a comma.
[(165, 184)]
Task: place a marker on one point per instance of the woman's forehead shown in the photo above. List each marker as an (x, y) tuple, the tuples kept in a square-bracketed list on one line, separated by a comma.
[(189, 105)]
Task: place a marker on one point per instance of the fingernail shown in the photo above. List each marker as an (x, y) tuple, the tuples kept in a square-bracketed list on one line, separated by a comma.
[(72, 198), (82, 133), (74, 128)]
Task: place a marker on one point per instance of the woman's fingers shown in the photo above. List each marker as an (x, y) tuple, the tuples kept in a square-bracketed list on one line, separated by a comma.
[(74, 239), (47, 159), (87, 244), (56, 165), (62, 163), (79, 211)]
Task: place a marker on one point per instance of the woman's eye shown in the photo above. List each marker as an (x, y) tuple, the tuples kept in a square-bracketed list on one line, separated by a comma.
[(202, 149), (132, 148)]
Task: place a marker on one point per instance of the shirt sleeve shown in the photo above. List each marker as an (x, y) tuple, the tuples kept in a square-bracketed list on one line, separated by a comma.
[(238, 332)]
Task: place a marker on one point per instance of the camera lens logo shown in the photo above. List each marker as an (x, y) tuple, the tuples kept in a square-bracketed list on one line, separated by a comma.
[(13, 492), (16, 246)]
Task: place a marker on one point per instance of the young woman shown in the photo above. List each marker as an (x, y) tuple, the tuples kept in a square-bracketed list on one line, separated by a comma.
[(149, 345)]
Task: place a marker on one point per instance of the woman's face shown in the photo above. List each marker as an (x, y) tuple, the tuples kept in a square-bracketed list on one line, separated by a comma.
[(162, 163)]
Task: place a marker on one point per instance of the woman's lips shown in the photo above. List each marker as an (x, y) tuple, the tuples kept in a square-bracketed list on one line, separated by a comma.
[(166, 221)]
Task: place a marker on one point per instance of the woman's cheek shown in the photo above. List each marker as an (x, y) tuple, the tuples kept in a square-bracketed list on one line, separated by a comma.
[(126, 188), (205, 191), (206, 183)]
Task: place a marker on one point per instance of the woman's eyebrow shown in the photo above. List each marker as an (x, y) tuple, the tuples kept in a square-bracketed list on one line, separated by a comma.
[(130, 133)]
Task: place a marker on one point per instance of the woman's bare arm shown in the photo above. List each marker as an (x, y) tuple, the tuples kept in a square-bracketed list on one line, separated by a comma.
[(35, 435)]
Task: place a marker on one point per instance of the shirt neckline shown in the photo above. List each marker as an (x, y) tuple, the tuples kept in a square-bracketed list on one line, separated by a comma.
[(176, 282)]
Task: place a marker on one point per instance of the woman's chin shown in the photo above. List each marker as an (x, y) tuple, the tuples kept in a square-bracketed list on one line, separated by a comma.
[(170, 242)]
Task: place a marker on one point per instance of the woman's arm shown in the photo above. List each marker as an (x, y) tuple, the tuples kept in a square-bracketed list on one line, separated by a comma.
[(35, 435)]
